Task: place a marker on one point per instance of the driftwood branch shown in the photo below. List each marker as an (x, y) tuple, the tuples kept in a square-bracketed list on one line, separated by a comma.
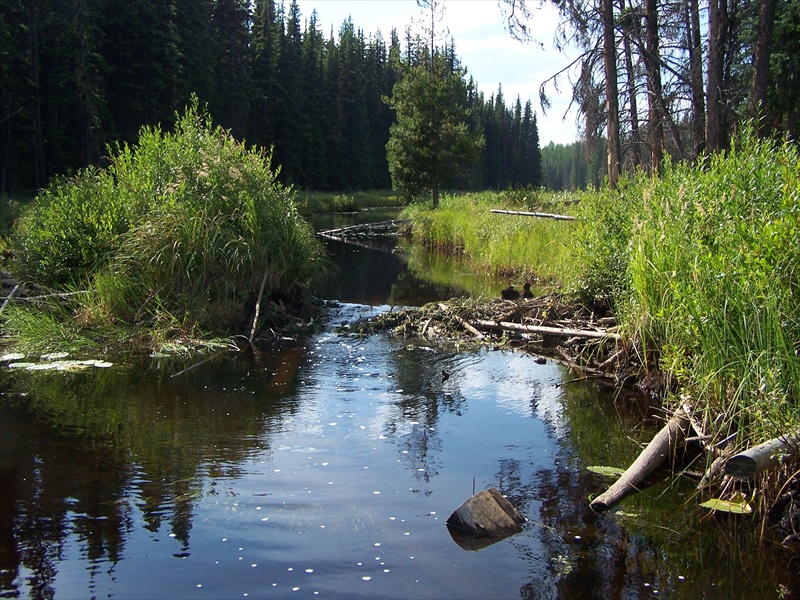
[(257, 311), (542, 215), (660, 447), (753, 461), (544, 330), (463, 322)]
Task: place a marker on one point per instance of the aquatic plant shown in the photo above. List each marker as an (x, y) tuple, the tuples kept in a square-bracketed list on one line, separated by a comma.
[(183, 231)]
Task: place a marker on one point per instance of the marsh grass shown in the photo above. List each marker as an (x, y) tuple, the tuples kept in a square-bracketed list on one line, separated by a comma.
[(702, 265), (497, 244), (173, 239), (312, 203)]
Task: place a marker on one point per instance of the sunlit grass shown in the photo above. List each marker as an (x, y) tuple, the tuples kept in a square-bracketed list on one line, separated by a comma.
[(311, 203), (702, 267), (495, 244)]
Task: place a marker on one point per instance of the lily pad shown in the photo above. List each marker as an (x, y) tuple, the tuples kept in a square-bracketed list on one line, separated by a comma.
[(54, 355), (737, 505), (12, 356), (606, 471)]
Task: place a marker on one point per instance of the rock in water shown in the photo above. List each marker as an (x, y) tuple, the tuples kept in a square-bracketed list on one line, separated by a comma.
[(485, 518)]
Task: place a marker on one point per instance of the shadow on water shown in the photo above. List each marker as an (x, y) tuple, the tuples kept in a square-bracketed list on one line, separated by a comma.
[(328, 469)]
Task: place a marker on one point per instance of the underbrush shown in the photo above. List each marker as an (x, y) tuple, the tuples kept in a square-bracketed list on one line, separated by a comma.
[(181, 236)]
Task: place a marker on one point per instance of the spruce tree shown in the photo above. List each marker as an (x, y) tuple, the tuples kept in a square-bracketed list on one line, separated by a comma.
[(430, 143)]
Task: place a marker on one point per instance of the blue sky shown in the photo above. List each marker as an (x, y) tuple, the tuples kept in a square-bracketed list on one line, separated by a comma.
[(486, 48)]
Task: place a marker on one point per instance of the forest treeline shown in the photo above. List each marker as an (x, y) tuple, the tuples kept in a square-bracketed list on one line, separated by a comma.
[(676, 78), (76, 76)]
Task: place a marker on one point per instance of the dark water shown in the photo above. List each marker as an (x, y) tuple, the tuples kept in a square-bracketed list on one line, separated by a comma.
[(327, 469)]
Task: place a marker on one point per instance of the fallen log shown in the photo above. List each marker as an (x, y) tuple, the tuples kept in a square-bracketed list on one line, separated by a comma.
[(542, 215), (544, 330), (483, 519), (660, 447), (757, 459), (377, 226)]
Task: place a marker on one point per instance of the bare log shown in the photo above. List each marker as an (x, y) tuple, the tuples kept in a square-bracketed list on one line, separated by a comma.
[(753, 461), (660, 447), (544, 330), (542, 215)]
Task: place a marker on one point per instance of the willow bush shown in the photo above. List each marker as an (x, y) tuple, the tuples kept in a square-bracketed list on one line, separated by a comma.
[(178, 232)]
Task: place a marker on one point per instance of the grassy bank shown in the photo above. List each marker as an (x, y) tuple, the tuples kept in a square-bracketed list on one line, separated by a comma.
[(314, 203), (701, 265), (514, 246), (179, 239)]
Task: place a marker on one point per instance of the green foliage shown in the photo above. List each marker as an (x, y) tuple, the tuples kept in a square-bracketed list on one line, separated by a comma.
[(430, 142), (494, 243), (179, 231), (704, 263)]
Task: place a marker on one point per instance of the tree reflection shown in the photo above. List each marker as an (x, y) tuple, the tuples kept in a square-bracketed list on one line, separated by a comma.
[(86, 456)]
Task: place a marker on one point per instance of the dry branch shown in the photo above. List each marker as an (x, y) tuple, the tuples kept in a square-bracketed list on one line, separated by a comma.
[(521, 213), (463, 322)]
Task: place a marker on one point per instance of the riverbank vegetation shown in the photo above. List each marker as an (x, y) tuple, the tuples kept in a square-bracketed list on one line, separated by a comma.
[(497, 244), (698, 265), (185, 236)]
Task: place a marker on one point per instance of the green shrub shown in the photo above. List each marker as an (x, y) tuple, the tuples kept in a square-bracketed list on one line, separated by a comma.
[(181, 228)]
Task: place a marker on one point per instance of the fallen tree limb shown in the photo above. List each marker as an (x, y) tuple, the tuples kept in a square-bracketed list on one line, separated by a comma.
[(463, 322), (660, 447), (582, 333), (9, 297), (753, 461), (521, 213)]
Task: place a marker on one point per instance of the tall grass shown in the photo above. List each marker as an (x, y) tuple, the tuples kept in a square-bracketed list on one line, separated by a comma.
[(493, 243), (176, 234), (703, 264)]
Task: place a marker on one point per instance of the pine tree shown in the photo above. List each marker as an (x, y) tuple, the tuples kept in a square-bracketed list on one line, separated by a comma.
[(430, 143)]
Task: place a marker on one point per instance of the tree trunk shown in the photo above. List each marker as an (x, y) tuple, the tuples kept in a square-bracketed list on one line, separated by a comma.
[(654, 91), (39, 169), (717, 42), (758, 95), (631, 76), (612, 100), (696, 77)]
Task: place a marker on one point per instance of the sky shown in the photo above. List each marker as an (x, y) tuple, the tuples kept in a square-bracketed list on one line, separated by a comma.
[(491, 56)]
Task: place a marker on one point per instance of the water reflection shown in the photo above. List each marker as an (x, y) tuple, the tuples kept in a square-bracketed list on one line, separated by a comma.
[(329, 468)]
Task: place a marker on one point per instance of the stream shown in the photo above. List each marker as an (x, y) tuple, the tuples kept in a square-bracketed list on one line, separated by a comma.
[(328, 467)]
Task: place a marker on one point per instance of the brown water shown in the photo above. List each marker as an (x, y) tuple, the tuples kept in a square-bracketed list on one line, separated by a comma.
[(327, 469)]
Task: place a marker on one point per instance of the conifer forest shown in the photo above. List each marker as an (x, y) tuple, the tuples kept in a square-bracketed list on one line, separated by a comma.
[(78, 77)]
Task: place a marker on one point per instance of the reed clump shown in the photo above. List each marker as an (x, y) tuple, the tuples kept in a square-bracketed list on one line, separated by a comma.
[(175, 238), (701, 266)]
